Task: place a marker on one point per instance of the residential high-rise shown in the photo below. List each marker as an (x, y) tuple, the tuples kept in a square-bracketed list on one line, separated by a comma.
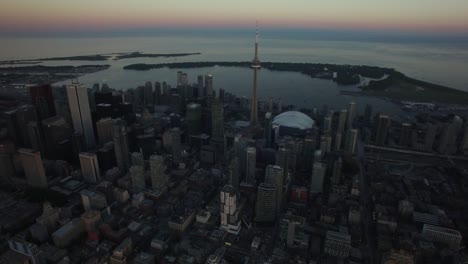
[(200, 86), (431, 133), (193, 118), (81, 113), (33, 168), (229, 210), (209, 85), (148, 98), (327, 124), (337, 168), (368, 114), (351, 140), (137, 173), (250, 165), (234, 174), (325, 144), (350, 116), (405, 135), (449, 237), (464, 145), (137, 159), (382, 129), (337, 244), (7, 167), (338, 140), (120, 138), (342, 120), (36, 136), (269, 129), (159, 178), (90, 167), (318, 175), (448, 139), (217, 119), (255, 67), (104, 130), (266, 204), (17, 121), (157, 93), (274, 175), (282, 160)]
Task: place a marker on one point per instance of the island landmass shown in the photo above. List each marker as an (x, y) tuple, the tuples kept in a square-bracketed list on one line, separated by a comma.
[(388, 83), (134, 55)]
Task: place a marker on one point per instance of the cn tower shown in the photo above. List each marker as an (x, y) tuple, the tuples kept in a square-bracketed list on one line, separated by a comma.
[(256, 67)]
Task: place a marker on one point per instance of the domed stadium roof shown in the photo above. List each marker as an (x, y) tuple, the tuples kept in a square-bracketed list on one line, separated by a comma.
[(294, 119)]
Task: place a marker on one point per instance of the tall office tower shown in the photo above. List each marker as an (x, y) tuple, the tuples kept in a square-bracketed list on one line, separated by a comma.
[(431, 132), (201, 87), (350, 116), (165, 88), (448, 139), (184, 79), (325, 144), (36, 137), (337, 168), (234, 173), (383, 126), (270, 105), (159, 178), (338, 140), (55, 130), (33, 168), (7, 165), (318, 176), (280, 105), (91, 100), (269, 129), (137, 159), (255, 67), (157, 93), (282, 160), (120, 138), (148, 99), (342, 120), (137, 174), (327, 124), (193, 118), (104, 130), (90, 167), (81, 113), (179, 78), (17, 124), (43, 98), (217, 119), (274, 175), (405, 135), (368, 114), (250, 165), (78, 144), (209, 85), (308, 152), (229, 210), (265, 206), (351, 140)]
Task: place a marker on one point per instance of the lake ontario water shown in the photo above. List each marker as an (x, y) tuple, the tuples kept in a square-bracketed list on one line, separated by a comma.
[(441, 63)]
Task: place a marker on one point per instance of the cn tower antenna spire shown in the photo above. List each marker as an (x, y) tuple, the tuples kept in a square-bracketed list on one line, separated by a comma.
[(255, 67)]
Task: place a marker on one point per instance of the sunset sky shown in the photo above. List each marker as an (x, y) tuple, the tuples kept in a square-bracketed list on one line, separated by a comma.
[(426, 16)]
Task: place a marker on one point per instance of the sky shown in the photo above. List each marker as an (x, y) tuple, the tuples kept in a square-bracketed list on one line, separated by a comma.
[(410, 16)]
